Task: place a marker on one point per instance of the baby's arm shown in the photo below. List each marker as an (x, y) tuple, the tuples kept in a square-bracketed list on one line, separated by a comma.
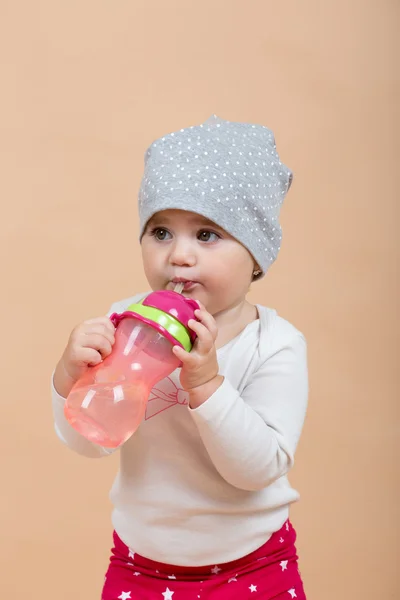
[(65, 432), (251, 438), (61, 383)]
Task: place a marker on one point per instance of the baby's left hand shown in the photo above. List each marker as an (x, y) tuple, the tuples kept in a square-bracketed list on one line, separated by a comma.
[(200, 365)]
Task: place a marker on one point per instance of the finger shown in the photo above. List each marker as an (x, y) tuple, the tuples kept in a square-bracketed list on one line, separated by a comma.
[(205, 340), (208, 320), (101, 329), (90, 357), (106, 321), (201, 305), (181, 354), (97, 342), (188, 360)]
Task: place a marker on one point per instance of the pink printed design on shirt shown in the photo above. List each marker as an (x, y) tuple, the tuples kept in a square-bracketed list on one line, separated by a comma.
[(165, 394)]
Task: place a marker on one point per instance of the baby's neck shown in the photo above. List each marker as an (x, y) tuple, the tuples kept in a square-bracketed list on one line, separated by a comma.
[(233, 320)]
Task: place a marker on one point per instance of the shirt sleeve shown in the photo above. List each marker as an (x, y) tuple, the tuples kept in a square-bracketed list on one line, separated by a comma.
[(252, 437)]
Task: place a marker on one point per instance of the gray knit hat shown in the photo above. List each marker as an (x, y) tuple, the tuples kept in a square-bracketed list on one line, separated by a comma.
[(227, 172)]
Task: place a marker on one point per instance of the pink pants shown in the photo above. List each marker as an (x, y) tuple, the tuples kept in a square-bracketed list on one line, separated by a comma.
[(269, 573)]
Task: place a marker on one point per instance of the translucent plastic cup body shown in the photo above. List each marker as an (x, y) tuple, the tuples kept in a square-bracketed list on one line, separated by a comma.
[(109, 401)]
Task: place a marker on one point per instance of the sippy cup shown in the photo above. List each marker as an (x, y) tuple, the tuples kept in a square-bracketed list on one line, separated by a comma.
[(107, 404)]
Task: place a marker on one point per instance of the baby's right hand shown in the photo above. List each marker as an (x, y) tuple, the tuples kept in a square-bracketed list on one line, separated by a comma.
[(89, 343)]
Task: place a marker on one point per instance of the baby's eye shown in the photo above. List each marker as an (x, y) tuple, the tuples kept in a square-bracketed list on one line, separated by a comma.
[(208, 236), (160, 234)]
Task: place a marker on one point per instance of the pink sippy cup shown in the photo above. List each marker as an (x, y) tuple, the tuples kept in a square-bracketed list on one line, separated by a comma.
[(107, 404)]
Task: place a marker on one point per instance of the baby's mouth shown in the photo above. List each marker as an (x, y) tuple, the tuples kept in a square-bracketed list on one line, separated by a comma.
[(186, 283)]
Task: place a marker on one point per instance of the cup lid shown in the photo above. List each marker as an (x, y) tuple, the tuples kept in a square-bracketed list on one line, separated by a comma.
[(166, 311), (174, 304)]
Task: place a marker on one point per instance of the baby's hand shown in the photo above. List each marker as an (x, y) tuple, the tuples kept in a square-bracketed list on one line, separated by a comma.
[(89, 343), (200, 365)]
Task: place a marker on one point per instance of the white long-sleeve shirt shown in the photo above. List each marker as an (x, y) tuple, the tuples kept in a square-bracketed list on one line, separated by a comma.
[(208, 485)]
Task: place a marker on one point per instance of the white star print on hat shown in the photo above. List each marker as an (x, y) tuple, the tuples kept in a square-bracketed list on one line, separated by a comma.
[(168, 594), (253, 588), (292, 593), (283, 564), (125, 596)]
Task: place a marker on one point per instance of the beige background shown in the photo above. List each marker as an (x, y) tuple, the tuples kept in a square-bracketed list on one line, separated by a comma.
[(85, 87)]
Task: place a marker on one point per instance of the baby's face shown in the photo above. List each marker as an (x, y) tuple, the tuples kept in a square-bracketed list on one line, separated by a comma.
[(183, 246)]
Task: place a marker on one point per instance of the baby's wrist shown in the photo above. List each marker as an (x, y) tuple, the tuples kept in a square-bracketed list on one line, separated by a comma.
[(199, 394)]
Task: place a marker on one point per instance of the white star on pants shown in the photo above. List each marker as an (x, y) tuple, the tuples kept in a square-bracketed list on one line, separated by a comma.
[(292, 593), (167, 594), (283, 564), (253, 588), (124, 596)]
